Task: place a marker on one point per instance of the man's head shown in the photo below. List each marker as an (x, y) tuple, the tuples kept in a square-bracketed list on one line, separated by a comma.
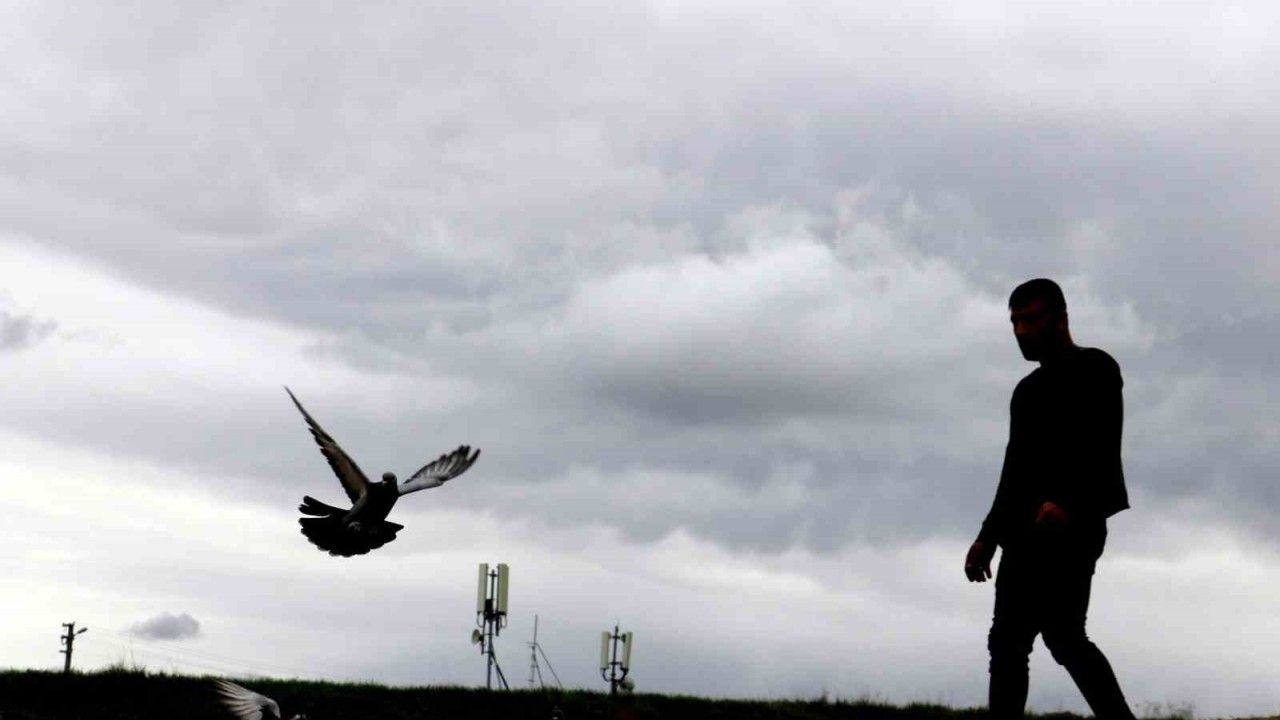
[(1038, 312)]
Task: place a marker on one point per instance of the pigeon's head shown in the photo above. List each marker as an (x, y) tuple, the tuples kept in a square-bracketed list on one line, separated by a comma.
[(389, 478)]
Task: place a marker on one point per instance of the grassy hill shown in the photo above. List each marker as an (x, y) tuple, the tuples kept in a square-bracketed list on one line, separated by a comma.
[(131, 695)]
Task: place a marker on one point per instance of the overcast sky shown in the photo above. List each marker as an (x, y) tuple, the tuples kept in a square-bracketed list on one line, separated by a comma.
[(719, 289)]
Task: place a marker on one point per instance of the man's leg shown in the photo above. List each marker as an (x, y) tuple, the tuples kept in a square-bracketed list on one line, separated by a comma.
[(1066, 606), (1012, 633)]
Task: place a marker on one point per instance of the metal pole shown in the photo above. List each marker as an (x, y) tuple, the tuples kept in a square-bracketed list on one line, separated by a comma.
[(613, 665), (614, 678), (67, 640), (533, 652), (550, 667), (501, 677), (492, 626), (488, 626)]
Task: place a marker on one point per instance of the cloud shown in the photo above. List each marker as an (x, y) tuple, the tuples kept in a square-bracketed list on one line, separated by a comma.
[(167, 626), (22, 331), (772, 391), (470, 192)]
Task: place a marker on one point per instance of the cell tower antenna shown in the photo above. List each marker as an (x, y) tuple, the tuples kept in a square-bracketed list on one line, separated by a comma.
[(534, 650), (492, 595), (615, 669)]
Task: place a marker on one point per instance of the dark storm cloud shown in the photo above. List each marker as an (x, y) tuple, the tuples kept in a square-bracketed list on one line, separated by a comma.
[(667, 243), (20, 331), (798, 129), (167, 626)]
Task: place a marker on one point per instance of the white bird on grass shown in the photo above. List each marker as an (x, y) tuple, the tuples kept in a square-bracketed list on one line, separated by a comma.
[(246, 704), (364, 527)]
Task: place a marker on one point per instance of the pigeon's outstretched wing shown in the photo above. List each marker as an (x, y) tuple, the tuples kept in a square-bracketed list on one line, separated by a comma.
[(441, 470), (352, 478), (246, 704)]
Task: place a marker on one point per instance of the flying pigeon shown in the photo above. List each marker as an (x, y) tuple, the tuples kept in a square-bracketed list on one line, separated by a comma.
[(246, 704), (364, 527)]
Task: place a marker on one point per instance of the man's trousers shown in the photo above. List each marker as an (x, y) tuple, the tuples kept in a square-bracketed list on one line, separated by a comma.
[(1042, 588)]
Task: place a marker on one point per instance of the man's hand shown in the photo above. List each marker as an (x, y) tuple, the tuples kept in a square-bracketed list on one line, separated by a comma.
[(977, 564), (1051, 515)]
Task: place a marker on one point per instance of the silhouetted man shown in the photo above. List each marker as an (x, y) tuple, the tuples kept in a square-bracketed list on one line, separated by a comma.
[(1061, 480)]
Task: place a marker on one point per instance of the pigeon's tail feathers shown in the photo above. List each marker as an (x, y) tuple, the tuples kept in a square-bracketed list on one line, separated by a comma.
[(331, 535), (312, 506)]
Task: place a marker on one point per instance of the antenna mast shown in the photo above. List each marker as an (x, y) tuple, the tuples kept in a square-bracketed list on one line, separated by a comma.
[(533, 658), (613, 670), (534, 650), (491, 616)]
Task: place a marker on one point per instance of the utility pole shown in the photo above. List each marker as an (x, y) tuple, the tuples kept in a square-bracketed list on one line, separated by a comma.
[(69, 640)]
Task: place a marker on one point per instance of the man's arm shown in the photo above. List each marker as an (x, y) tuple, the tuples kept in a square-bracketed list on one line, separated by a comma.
[(977, 562), (995, 526)]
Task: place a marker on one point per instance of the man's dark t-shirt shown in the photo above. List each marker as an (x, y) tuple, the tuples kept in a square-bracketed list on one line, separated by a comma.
[(1066, 419)]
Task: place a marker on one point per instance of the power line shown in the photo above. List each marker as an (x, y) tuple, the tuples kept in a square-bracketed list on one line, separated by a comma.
[(184, 652), (206, 655), (205, 662), (212, 666)]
